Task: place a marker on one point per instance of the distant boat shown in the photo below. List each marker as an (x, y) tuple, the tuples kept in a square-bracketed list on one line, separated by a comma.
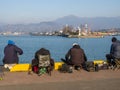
[(64, 35), (117, 34), (37, 34)]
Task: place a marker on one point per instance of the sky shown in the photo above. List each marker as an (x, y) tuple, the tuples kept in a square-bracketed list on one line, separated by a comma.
[(34, 11)]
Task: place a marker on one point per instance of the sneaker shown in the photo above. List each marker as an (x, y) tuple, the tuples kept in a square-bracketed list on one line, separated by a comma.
[(70, 70), (78, 68), (110, 67)]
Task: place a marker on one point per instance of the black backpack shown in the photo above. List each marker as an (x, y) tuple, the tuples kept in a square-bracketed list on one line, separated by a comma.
[(89, 66), (65, 68)]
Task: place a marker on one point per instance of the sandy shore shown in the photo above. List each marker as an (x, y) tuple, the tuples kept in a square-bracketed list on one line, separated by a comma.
[(78, 80)]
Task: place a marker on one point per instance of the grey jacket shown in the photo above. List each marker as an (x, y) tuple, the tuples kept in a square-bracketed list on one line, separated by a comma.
[(115, 49)]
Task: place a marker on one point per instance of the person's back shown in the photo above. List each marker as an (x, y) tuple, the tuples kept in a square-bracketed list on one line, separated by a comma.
[(77, 55), (11, 52), (114, 52), (116, 49)]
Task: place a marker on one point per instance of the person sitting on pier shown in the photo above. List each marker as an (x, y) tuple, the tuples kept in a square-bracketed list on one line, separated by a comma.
[(11, 52), (75, 57), (114, 52)]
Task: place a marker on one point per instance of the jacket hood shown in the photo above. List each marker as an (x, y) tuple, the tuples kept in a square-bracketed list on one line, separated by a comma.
[(10, 42)]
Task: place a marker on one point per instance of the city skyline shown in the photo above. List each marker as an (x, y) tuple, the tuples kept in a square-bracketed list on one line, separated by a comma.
[(33, 11)]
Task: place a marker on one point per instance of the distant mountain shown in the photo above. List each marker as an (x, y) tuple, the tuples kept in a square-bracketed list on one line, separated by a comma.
[(95, 23), (33, 27)]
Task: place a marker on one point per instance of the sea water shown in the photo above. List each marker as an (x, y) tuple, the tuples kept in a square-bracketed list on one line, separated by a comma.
[(95, 48)]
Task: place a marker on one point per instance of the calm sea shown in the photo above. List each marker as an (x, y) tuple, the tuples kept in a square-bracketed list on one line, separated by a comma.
[(95, 48)]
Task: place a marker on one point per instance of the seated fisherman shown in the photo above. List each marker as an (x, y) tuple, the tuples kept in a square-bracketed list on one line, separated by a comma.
[(11, 52), (114, 52), (75, 56)]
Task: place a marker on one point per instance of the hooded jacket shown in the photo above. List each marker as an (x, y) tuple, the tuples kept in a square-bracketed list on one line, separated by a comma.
[(115, 49), (11, 52), (76, 55)]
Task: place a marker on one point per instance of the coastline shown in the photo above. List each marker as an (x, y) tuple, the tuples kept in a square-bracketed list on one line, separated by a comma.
[(88, 36)]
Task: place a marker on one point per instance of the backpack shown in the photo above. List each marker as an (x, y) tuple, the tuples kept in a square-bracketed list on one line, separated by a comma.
[(89, 66), (44, 60), (66, 68)]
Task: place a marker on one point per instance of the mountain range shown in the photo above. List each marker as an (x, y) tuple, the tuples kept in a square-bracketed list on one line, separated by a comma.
[(94, 23)]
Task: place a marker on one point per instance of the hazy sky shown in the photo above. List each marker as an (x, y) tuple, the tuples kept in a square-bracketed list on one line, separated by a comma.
[(27, 11)]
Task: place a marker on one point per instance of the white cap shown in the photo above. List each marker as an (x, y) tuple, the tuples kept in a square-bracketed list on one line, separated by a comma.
[(75, 44)]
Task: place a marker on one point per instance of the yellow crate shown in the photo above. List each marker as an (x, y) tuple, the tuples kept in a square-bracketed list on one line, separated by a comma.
[(20, 67), (27, 67)]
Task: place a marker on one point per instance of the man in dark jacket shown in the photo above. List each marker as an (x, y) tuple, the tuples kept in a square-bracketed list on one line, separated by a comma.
[(75, 56), (114, 51), (11, 52)]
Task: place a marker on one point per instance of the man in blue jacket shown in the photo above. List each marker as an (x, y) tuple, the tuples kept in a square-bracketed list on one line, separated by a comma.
[(114, 51), (11, 52)]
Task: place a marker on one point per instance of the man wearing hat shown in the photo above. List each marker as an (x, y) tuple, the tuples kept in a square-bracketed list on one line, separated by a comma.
[(11, 52), (114, 52), (75, 56)]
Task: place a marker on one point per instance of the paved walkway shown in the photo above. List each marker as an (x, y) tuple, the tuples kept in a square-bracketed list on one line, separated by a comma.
[(102, 80)]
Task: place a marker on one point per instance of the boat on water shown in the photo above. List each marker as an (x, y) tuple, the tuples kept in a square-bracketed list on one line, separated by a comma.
[(63, 35)]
